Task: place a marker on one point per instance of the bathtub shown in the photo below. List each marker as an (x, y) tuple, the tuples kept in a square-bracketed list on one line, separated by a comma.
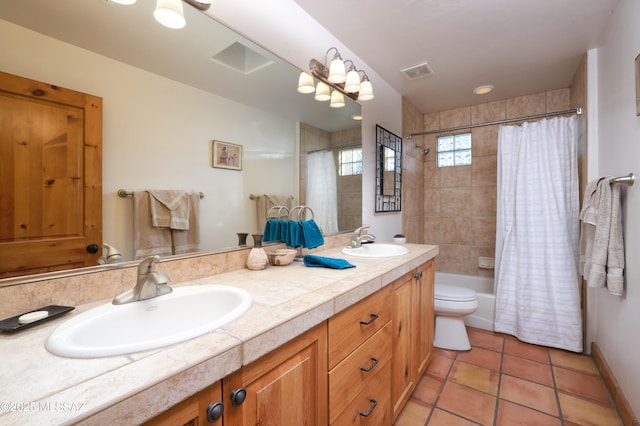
[(483, 286)]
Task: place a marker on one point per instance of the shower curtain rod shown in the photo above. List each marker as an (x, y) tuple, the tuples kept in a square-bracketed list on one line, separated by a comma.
[(577, 111), (353, 145)]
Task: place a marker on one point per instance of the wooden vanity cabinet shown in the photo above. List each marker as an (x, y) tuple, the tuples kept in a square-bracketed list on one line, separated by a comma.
[(288, 386), (360, 339), (285, 387), (413, 324), (192, 411)]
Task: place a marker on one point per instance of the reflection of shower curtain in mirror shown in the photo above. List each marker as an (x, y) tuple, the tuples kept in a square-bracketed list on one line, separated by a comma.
[(536, 276), (322, 195)]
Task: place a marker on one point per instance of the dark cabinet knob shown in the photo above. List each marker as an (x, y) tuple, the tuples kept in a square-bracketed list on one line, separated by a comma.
[(238, 396), (93, 248), (214, 411)]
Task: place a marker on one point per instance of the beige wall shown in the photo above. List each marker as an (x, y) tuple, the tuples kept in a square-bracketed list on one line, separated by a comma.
[(459, 207)]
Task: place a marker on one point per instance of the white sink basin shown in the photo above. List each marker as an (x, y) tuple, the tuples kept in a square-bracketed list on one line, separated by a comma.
[(185, 313), (376, 250)]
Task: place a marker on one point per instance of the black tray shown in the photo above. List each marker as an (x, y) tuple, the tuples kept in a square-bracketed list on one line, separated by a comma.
[(12, 324)]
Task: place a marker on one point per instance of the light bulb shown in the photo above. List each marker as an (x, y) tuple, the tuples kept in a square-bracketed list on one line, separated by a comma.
[(352, 83), (322, 92), (305, 83), (170, 13), (366, 91), (337, 99), (336, 71)]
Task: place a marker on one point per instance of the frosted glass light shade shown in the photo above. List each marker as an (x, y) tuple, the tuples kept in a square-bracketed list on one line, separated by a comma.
[(125, 2), (336, 71), (305, 83), (322, 92), (170, 13), (352, 82), (366, 91), (337, 99)]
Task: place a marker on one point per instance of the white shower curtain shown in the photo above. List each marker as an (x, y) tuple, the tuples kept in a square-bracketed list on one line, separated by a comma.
[(322, 194), (537, 279)]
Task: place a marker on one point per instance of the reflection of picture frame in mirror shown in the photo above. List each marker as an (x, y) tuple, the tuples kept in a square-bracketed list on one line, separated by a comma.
[(227, 155), (637, 67)]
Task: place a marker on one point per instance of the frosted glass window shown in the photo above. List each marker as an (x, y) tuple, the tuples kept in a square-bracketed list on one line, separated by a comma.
[(350, 162), (454, 150)]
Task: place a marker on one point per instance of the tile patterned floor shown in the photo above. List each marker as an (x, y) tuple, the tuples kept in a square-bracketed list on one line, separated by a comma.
[(502, 381)]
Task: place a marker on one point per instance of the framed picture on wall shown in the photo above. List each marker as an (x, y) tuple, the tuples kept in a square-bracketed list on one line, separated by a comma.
[(227, 155)]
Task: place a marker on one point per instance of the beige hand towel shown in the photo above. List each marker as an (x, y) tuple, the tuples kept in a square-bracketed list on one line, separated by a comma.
[(147, 239), (188, 241), (170, 209), (264, 204), (607, 255), (588, 216)]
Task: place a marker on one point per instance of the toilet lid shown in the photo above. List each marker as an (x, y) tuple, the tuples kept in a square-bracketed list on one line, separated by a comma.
[(454, 293)]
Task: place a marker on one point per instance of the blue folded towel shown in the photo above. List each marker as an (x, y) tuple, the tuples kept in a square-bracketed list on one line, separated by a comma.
[(267, 231), (275, 230), (294, 239), (284, 231), (326, 262), (311, 234)]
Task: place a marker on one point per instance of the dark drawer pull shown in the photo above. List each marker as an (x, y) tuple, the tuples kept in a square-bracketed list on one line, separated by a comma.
[(374, 404), (373, 364), (373, 318)]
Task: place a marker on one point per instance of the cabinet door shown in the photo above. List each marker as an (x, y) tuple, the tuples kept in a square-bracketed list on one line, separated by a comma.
[(285, 387), (402, 372), (424, 316), (192, 411)]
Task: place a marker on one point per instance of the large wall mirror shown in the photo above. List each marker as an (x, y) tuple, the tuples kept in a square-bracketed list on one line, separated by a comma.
[(167, 94)]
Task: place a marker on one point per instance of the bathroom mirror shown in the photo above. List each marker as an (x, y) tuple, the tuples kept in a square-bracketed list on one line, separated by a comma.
[(184, 89), (388, 171)]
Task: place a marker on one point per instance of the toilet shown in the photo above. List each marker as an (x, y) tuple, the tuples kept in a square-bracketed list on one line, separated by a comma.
[(451, 303)]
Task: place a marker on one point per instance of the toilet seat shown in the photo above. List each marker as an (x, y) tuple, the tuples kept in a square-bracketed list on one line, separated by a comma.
[(453, 293)]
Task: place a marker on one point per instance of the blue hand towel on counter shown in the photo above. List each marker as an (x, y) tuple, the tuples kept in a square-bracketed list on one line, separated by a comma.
[(311, 234), (326, 262)]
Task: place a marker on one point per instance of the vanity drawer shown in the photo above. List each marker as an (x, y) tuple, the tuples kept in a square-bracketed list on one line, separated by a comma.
[(374, 400), (349, 328), (358, 370)]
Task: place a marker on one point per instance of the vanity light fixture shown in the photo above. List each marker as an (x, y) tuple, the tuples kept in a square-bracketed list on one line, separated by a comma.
[(350, 81), (483, 90), (170, 13)]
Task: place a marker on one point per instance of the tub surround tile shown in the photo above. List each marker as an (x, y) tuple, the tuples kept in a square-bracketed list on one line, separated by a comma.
[(455, 117), (523, 106), (488, 112), (558, 100)]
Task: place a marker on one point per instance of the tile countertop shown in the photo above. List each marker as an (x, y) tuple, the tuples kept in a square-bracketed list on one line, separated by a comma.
[(37, 387)]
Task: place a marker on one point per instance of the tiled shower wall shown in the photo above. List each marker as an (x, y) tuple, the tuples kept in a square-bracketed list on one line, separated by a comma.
[(458, 210)]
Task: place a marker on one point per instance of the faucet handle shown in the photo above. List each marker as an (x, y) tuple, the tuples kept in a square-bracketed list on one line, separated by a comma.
[(148, 265)]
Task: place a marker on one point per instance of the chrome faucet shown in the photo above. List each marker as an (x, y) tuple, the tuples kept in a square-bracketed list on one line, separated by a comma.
[(357, 237), (150, 283)]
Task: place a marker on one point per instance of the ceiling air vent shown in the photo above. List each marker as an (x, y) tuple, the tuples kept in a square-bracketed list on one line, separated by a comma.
[(417, 71), (241, 58)]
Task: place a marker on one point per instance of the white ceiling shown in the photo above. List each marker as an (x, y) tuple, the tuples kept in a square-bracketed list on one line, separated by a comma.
[(130, 34), (519, 46)]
